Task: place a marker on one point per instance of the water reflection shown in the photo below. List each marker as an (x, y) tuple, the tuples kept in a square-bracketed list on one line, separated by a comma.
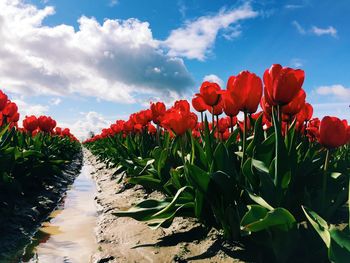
[(68, 235)]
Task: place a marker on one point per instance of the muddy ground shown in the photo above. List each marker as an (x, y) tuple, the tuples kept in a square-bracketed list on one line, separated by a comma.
[(123, 239)]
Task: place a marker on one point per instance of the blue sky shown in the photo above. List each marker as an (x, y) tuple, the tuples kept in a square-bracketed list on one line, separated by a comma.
[(87, 63)]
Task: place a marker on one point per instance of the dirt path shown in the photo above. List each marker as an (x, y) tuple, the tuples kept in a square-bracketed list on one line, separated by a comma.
[(127, 240)]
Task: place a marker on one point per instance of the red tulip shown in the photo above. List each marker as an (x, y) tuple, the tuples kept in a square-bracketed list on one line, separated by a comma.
[(180, 122), (138, 127), (282, 84), (128, 126), (10, 109), (1, 119), (118, 126), (333, 132), (196, 134), (246, 87), (266, 107), (313, 129), (58, 131), (217, 109), (151, 129), (14, 118), (66, 132), (30, 123), (158, 110), (182, 105), (199, 104), (295, 105), (210, 92), (230, 105), (143, 117), (3, 100), (226, 135), (46, 124), (223, 125), (306, 113), (179, 118)]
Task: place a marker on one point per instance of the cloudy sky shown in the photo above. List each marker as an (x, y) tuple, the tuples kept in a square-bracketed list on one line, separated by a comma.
[(88, 63)]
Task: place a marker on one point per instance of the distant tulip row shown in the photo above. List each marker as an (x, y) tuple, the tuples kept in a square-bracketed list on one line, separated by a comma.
[(9, 115), (282, 89), (45, 124)]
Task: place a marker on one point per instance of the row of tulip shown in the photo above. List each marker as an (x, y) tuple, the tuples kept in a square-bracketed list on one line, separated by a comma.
[(269, 180), (31, 156)]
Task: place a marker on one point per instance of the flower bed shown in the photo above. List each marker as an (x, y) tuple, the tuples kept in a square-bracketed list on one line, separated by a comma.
[(278, 180), (32, 161)]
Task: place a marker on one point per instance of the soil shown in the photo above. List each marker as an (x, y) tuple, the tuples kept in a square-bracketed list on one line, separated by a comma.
[(122, 239)]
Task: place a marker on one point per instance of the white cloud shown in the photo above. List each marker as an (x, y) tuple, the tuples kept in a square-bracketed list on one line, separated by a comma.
[(113, 61), (55, 101), (216, 79), (182, 8), (113, 3), (299, 28), (314, 30), (89, 122), (296, 63), (338, 91), (196, 38), (324, 31), (293, 6)]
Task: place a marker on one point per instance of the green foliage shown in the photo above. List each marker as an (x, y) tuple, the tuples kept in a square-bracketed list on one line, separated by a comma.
[(257, 199), (27, 163)]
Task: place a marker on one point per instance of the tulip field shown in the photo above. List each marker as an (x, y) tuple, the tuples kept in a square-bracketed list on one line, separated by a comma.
[(32, 158), (30, 155), (249, 160), (272, 178)]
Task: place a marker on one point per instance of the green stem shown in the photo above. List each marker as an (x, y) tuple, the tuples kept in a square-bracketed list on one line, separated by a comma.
[(182, 149), (217, 126), (212, 116), (244, 137), (158, 135), (324, 182), (202, 119), (231, 123)]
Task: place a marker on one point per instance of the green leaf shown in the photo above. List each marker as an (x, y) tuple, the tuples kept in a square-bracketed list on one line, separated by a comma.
[(221, 158), (260, 166), (254, 213), (207, 141), (172, 203), (282, 171), (259, 200), (319, 224), (198, 155), (340, 245), (148, 181), (279, 218), (144, 210), (248, 172), (258, 136), (335, 175), (197, 177), (336, 240), (225, 184)]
